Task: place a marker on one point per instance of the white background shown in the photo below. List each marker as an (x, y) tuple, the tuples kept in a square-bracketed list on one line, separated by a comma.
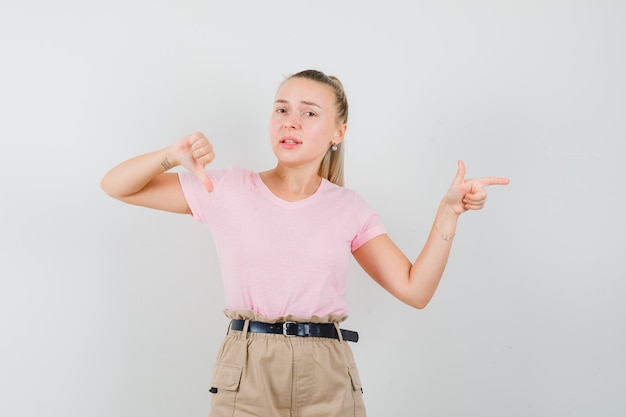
[(113, 310)]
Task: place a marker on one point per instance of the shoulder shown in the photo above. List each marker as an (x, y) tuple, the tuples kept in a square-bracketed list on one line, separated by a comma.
[(218, 176), (239, 176), (345, 195), (223, 179)]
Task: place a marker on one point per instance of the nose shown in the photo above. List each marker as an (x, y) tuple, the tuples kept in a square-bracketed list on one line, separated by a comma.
[(290, 122)]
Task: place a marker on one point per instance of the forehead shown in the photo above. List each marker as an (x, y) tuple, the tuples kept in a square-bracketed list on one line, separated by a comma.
[(302, 89)]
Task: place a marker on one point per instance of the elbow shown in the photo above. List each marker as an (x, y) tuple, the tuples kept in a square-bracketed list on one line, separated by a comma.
[(417, 299), (419, 303), (109, 188), (105, 186)]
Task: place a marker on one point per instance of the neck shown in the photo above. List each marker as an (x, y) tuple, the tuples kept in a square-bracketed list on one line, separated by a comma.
[(291, 184)]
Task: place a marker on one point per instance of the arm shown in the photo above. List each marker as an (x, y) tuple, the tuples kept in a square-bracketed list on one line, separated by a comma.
[(415, 283), (144, 180)]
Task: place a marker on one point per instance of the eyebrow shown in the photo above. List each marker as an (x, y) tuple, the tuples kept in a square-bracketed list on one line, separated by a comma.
[(308, 103)]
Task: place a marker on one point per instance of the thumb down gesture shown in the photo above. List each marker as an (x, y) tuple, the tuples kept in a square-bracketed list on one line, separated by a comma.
[(195, 152)]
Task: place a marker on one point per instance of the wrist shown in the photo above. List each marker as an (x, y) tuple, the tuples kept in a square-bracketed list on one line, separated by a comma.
[(444, 235), (446, 208), (446, 221), (168, 158)]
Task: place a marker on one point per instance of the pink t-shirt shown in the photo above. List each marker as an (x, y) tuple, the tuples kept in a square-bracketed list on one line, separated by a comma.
[(281, 258)]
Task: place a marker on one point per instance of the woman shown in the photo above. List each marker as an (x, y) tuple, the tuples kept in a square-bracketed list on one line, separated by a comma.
[(284, 239)]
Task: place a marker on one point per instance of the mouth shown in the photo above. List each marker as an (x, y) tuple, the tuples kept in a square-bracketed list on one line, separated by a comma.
[(290, 141)]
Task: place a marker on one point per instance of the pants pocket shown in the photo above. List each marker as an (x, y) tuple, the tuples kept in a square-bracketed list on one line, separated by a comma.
[(357, 391), (224, 386)]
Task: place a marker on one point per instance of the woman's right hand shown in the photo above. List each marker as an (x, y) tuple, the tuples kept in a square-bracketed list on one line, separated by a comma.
[(141, 180), (195, 152)]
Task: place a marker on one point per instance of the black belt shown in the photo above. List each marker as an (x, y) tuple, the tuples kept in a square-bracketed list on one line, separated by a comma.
[(292, 328)]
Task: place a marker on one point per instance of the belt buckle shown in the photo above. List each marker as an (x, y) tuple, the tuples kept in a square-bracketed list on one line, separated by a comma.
[(285, 328)]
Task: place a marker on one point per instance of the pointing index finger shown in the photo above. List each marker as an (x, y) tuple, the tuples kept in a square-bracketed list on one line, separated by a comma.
[(493, 181)]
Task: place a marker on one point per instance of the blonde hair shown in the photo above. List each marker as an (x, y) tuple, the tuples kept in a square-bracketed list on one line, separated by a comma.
[(331, 166)]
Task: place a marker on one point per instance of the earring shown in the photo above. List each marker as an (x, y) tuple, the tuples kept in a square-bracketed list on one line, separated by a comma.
[(334, 147)]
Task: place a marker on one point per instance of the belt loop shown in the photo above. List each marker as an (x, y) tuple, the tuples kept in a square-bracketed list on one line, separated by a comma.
[(244, 331), (339, 334)]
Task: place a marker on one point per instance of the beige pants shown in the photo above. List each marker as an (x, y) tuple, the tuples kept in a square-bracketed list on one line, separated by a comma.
[(271, 375)]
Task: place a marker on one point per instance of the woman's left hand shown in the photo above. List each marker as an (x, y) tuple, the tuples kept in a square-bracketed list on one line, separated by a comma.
[(469, 194)]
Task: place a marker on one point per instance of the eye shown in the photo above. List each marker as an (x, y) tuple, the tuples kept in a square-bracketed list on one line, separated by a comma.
[(310, 114), (280, 110)]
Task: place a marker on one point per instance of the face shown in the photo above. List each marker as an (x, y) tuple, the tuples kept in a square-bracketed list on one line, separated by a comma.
[(304, 122)]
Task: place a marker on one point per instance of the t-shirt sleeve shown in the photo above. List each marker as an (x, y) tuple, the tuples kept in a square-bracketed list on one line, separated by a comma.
[(198, 198), (369, 222)]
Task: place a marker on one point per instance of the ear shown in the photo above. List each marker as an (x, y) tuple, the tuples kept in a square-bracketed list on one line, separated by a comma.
[(340, 133)]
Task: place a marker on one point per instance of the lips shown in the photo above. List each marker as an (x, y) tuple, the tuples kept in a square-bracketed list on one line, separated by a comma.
[(290, 141)]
